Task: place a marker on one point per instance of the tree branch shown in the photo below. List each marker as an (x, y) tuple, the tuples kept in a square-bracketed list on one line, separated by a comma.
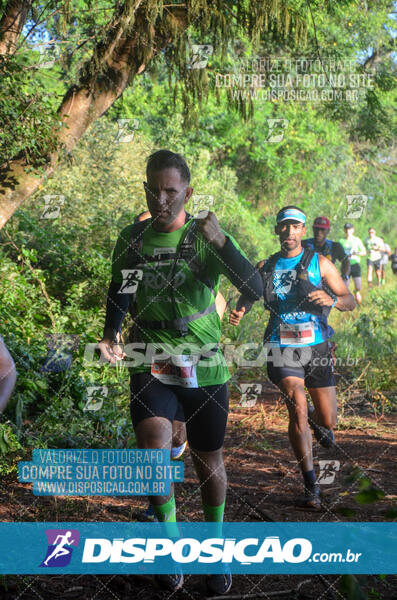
[(11, 24), (130, 41), (379, 55)]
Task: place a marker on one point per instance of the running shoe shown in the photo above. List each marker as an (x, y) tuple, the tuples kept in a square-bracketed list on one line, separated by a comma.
[(178, 451), (171, 582), (324, 436), (311, 499), (219, 584), (150, 514)]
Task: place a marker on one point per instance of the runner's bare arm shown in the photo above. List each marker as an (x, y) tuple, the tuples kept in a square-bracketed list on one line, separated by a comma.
[(7, 375), (331, 277), (220, 304)]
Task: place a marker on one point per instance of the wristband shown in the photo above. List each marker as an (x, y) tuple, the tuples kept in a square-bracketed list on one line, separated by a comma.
[(334, 302)]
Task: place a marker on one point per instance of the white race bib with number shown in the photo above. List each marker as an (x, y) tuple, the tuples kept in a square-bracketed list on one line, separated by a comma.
[(296, 333), (178, 370)]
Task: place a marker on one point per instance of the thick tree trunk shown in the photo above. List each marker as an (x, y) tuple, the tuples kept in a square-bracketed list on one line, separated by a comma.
[(121, 60), (11, 24)]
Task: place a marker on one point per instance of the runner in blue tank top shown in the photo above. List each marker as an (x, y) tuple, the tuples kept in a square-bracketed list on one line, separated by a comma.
[(299, 286)]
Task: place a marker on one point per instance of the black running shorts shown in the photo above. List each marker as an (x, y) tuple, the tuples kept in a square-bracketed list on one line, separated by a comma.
[(374, 263), (355, 270), (205, 408), (317, 372)]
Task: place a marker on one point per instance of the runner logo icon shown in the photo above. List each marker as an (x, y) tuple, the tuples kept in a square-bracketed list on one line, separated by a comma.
[(59, 551)]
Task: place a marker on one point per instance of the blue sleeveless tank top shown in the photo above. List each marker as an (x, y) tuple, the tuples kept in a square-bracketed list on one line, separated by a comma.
[(291, 326)]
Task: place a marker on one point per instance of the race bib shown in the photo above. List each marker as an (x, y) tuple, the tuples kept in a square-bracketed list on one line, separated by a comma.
[(179, 370), (296, 333)]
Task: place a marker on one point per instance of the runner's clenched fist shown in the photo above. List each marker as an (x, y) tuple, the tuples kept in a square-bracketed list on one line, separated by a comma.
[(236, 316), (210, 229)]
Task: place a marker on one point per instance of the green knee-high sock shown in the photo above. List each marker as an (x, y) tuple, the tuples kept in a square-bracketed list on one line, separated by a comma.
[(166, 513), (214, 514)]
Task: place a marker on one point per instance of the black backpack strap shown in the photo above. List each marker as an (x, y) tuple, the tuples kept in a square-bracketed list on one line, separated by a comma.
[(267, 273), (270, 263), (304, 262), (134, 252), (188, 251)]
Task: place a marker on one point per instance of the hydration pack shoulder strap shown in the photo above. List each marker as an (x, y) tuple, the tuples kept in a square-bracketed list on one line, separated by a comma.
[(304, 263), (267, 273), (187, 251)]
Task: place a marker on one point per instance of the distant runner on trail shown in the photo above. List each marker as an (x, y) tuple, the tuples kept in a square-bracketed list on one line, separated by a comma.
[(300, 288), (8, 375), (354, 249), (374, 247), (320, 243), (386, 252), (177, 262)]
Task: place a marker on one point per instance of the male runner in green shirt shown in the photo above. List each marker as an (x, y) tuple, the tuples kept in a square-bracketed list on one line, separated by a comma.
[(176, 313), (375, 248), (354, 249)]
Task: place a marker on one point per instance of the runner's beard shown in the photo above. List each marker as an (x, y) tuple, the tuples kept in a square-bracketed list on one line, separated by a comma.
[(286, 247)]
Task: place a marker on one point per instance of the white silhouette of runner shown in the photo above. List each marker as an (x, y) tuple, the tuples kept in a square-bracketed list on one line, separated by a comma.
[(59, 550)]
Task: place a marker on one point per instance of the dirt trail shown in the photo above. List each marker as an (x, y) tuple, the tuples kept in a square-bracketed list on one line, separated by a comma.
[(263, 482)]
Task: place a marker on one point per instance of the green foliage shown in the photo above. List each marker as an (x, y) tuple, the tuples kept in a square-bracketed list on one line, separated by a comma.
[(49, 409), (81, 34), (27, 115), (368, 492), (351, 589), (9, 446), (371, 336)]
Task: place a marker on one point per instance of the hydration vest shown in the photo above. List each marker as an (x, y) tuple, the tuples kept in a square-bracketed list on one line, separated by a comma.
[(325, 250), (302, 285), (186, 251)]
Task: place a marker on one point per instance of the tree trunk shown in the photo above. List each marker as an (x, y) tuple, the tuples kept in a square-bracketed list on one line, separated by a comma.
[(11, 24), (119, 61)]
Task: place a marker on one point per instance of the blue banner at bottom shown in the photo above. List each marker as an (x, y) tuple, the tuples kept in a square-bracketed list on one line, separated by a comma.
[(248, 548)]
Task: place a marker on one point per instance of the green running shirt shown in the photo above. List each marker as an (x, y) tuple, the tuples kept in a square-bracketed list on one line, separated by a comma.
[(153, 299), (353, 245)]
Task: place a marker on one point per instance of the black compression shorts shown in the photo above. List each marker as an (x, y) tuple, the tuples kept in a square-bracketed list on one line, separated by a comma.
[(355, 270), (318, 372), (205, 409)]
